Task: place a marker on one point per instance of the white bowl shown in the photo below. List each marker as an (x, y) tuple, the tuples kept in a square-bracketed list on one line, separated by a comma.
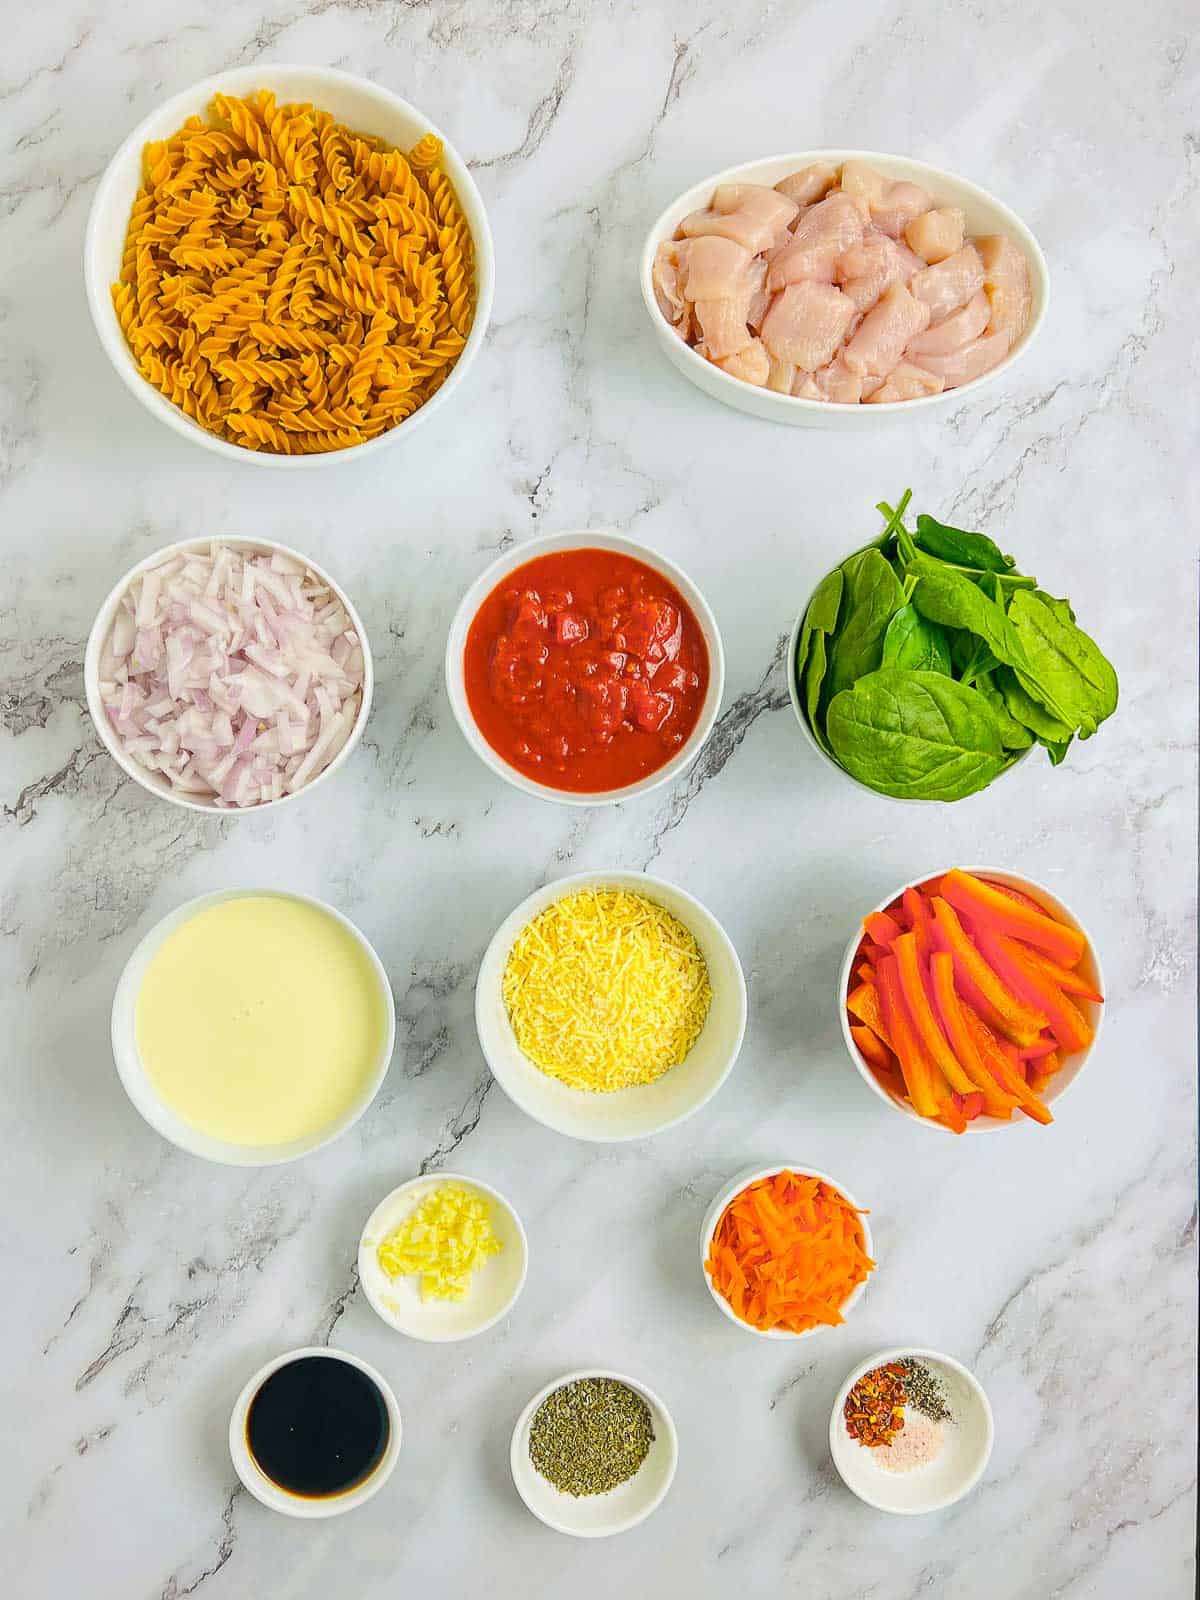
[(494, 1286), (146, 1098), (1072, 1065), (361, 105), (153, 781), (717, 1210), (942, 1482), (985, 214), (646, 1108), (596, 1516), (294, 1505), (585, 540)]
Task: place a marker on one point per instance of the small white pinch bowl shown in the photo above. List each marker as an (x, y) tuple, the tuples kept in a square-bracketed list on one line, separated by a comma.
[(365, 107), (645, 1109), (293, 1505), (154, 782), (984, 213), (494, 1286), (596, 1516), (942, 1482), (714, 1214), (587, 539), (1072, 1065), (146, 1099)]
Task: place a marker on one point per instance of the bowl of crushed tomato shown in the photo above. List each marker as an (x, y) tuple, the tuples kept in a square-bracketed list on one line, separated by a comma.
[(585, 668)]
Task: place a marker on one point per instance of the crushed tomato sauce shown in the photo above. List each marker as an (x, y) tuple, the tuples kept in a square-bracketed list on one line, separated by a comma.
[(586, 670)]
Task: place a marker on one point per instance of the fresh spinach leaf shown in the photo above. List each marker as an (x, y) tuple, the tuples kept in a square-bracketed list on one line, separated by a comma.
[(820, 619), (913, 641), (1066, 670), (872, 596), (1014, 735), (970, 657), (916, 735), (946, 596), (1044, 726), (814, 677), (960, 548)]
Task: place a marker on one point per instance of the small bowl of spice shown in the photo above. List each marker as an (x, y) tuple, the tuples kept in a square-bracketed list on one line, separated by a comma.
[(443, 1258), (594, 1453), (911, 1431)]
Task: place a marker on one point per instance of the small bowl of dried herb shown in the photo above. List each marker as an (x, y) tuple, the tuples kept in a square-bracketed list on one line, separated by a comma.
[(594, 1453), (911, 1431)]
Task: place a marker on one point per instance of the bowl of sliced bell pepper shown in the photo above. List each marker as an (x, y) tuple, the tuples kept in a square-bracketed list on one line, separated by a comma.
[(971, 998)]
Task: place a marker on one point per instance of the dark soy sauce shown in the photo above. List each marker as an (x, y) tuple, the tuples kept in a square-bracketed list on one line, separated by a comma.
[(318, 1427)]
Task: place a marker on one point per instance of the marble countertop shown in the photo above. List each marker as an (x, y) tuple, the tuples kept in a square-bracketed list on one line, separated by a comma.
[(143, 1286)]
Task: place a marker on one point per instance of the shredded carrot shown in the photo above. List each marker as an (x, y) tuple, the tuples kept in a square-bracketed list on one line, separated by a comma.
[(788, 1252)]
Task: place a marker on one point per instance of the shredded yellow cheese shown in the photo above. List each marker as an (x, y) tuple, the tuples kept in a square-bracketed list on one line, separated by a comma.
[(445, 1240), (606, 989)]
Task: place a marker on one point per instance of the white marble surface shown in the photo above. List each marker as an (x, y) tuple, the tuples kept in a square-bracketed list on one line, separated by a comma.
[(141, 1287)]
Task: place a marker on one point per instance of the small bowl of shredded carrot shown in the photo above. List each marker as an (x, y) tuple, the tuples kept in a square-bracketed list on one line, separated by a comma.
[(786, 1252)]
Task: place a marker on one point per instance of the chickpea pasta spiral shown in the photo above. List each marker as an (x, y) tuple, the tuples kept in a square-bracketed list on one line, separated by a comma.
[(293, 286)]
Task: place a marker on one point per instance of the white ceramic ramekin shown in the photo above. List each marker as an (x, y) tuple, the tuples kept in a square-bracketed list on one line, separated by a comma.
[(359, 104), (625, 1113), (596, 1516), (586, 540), (153, 781), (717, 1210), (153, 1108), (985, 214), (294, 1505), (1071, 1066)]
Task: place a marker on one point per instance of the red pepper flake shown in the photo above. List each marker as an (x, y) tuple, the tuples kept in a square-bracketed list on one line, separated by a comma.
[(874, 1409)]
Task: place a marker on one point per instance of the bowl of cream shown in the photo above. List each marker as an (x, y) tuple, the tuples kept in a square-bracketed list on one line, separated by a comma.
[(251, 1026)]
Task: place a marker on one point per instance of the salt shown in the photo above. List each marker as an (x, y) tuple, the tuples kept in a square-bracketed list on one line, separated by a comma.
[(917, 1444)]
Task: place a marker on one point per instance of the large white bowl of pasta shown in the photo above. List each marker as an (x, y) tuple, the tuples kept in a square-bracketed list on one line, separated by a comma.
[(289, 265)]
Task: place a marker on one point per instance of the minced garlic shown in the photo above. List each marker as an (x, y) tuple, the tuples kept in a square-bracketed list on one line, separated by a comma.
[(445, 1240)]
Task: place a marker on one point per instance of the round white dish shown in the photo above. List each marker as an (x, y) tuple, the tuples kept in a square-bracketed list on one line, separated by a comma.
[(494, 1286), (945, 1480), (153, 782), (145, 1097), (587, 539), (985, 214), (714, 1213), (361, 105), (599, 1515), (626, 1113), (292, 1505), (1072, 1065)]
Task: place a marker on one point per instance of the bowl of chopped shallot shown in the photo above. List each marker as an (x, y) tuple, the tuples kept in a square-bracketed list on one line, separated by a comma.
[(228, 675), (833, 288)]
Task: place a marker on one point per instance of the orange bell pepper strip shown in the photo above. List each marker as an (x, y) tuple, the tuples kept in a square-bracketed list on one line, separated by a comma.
[(872, 1048), (863, 1003), (951, 1115), (1042, 1047), (1066, 1022), (881, 928), (920, 920), (912, 986), (1002, 1010), (1040, 1072), (1002, 1069), (941, 971), (1069, 982), (916, 1067), (983, 904)]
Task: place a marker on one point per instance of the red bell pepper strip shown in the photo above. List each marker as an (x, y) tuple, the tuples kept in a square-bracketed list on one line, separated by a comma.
[(912, 986), (1002, 1069), (979, 984), (881, 928), (983, 904), (1066, 1022), (950, 1010), (916, 1066)]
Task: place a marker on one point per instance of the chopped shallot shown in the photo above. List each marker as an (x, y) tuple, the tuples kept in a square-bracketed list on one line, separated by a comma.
[(235, 675)]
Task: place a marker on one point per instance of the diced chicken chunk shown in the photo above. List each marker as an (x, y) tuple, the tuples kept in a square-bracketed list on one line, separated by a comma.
[(1006, 281), (723, 325), (905, 382), (971, 362), (711, 268), (900, 204), (862, 183), (956, 331), (824, 232), (873, 265), (949, 284), (885, 332), (781, 376), (748, 213), (665, 277), (760, 295), (804, 388), (751, 365), (808, 185), (806, 324), (937, 234), (836, 382)]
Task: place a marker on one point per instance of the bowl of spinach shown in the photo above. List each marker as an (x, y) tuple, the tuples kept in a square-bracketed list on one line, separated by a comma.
[(926, 665)]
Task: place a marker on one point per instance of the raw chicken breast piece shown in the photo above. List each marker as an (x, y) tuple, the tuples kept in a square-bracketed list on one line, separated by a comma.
[(723, 325), (868, 268), (760, 295), (748, 213), (824, 232), (862, 183), (711, 268), (781, 376), (1006, 282), (949, 284), (957, 331), (905, 382), (665, 277), (809, 184), (803, 387), (900, 204), (751, 365), (885, 333), (972, 361), (806, 324), (836, 382), (937, 234)]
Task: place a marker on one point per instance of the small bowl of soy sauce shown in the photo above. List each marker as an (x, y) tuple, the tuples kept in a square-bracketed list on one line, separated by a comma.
[(315, 1432)]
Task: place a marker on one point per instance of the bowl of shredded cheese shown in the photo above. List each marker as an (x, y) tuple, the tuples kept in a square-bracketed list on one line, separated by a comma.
[(443, 1257), (610, 1005)]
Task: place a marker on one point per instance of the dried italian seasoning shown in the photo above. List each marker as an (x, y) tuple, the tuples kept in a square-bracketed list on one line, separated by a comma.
[(590, 1435)]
